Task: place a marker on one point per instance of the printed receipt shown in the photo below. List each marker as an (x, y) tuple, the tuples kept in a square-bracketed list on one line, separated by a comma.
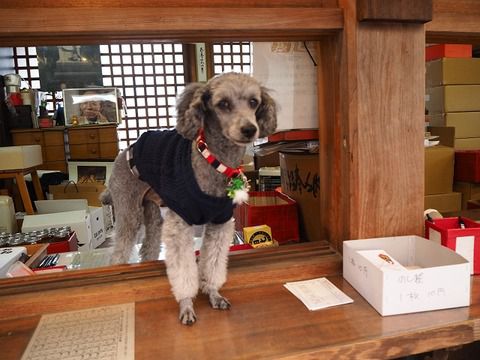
[(318, 293)]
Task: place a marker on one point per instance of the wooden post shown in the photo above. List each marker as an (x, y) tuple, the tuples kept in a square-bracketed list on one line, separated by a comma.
[(372, 155)]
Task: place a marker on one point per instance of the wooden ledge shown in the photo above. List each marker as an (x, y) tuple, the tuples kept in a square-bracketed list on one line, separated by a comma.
[(266, 321), (138, 282)]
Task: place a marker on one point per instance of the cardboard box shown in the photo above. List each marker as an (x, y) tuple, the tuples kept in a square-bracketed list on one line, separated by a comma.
[(453, 71), (437, 51), (96, 214), (271, 208), (439, 165), (466, 124), (301, 181), (467, 144), (425, 276), (443, 203), (452, 98), (469, 191), (267, 160), (467, 166), (465, 241), (78, 220), (71, 190)]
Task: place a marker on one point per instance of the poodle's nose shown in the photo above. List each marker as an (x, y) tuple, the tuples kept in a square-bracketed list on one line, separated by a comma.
[(248, 131)]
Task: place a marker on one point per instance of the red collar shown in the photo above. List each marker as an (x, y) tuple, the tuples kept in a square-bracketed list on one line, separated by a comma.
[(212, 160)]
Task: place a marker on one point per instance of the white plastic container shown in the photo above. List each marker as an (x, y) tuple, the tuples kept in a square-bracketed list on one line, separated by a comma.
[(7, 215)]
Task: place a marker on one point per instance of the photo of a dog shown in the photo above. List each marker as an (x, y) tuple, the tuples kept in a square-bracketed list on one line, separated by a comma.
[(189, 170)]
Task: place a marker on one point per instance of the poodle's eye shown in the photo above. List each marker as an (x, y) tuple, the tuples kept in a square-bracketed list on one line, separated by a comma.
[(224, 105), (253, 103)]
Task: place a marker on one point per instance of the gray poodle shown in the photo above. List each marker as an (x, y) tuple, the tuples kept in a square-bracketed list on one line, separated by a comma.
[(193, 172)]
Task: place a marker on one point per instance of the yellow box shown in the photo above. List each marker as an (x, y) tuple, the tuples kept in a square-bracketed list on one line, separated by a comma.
[(452, 98), (453, 71), (467, 144), (258, 236), (466, 124), (449, 202)]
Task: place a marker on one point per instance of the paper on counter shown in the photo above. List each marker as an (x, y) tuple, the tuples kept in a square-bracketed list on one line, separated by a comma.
[(318, 293), (106, 332)]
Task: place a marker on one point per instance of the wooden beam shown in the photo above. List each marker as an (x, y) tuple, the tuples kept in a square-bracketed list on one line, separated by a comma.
[(36, 26), (5, 4), (416, 11), (454, 22)]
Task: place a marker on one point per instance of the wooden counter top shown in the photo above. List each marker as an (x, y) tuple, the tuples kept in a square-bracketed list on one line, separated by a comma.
[(267, 321)]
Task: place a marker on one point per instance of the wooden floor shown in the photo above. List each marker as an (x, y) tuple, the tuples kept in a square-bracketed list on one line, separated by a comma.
[(265, 322)]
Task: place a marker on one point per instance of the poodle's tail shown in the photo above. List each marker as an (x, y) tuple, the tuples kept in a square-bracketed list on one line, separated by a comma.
[(106, 198)]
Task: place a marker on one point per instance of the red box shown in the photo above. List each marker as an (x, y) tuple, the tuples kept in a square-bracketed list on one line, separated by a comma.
[(467, 166), (449, 233), (271, 208), (64, 246), (294, 135), (448, 50)]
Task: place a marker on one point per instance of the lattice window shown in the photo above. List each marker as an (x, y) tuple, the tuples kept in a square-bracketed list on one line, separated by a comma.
[(26, 65), (234, 56), (150, 76)]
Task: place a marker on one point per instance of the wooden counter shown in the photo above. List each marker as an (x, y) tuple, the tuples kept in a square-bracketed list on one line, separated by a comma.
[(266, 321)]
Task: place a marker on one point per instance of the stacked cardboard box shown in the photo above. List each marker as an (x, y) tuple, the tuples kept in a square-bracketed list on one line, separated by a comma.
[(453, 93), (439, 169)]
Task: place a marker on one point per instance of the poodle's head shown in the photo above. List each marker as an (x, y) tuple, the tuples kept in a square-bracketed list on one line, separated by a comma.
[(235, 104)]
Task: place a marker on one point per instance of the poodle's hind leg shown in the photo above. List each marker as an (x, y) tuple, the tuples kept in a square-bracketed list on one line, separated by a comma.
[(150, 249), (213, 262), (127, 224), (181, 264)]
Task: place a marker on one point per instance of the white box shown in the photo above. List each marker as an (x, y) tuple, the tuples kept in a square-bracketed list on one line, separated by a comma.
[(432, 277), (8, 256), (78, 220), (97, 227)]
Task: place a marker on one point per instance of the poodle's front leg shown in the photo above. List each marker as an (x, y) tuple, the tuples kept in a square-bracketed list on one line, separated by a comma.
[(213, 262), (180, 260)]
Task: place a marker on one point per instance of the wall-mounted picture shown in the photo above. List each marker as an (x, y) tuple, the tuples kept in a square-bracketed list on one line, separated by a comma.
[(62, 67), (91, 106)]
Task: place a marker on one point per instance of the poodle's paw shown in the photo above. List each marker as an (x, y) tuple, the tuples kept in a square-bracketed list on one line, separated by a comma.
[(187, 315), (219, 302)]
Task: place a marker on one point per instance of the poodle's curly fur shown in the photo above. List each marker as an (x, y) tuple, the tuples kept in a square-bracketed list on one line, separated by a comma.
[(234, 110)]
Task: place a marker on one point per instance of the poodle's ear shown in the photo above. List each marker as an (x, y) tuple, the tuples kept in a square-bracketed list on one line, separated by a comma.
[(191, 110), (267, 114)]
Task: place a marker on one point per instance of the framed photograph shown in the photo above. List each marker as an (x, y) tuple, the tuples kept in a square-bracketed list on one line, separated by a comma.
[(91, 106)]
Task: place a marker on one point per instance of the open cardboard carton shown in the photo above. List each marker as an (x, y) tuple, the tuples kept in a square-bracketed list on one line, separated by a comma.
[(406, 274)]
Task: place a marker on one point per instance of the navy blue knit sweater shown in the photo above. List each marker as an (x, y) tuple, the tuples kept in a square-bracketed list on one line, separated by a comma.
[(163, 160)]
